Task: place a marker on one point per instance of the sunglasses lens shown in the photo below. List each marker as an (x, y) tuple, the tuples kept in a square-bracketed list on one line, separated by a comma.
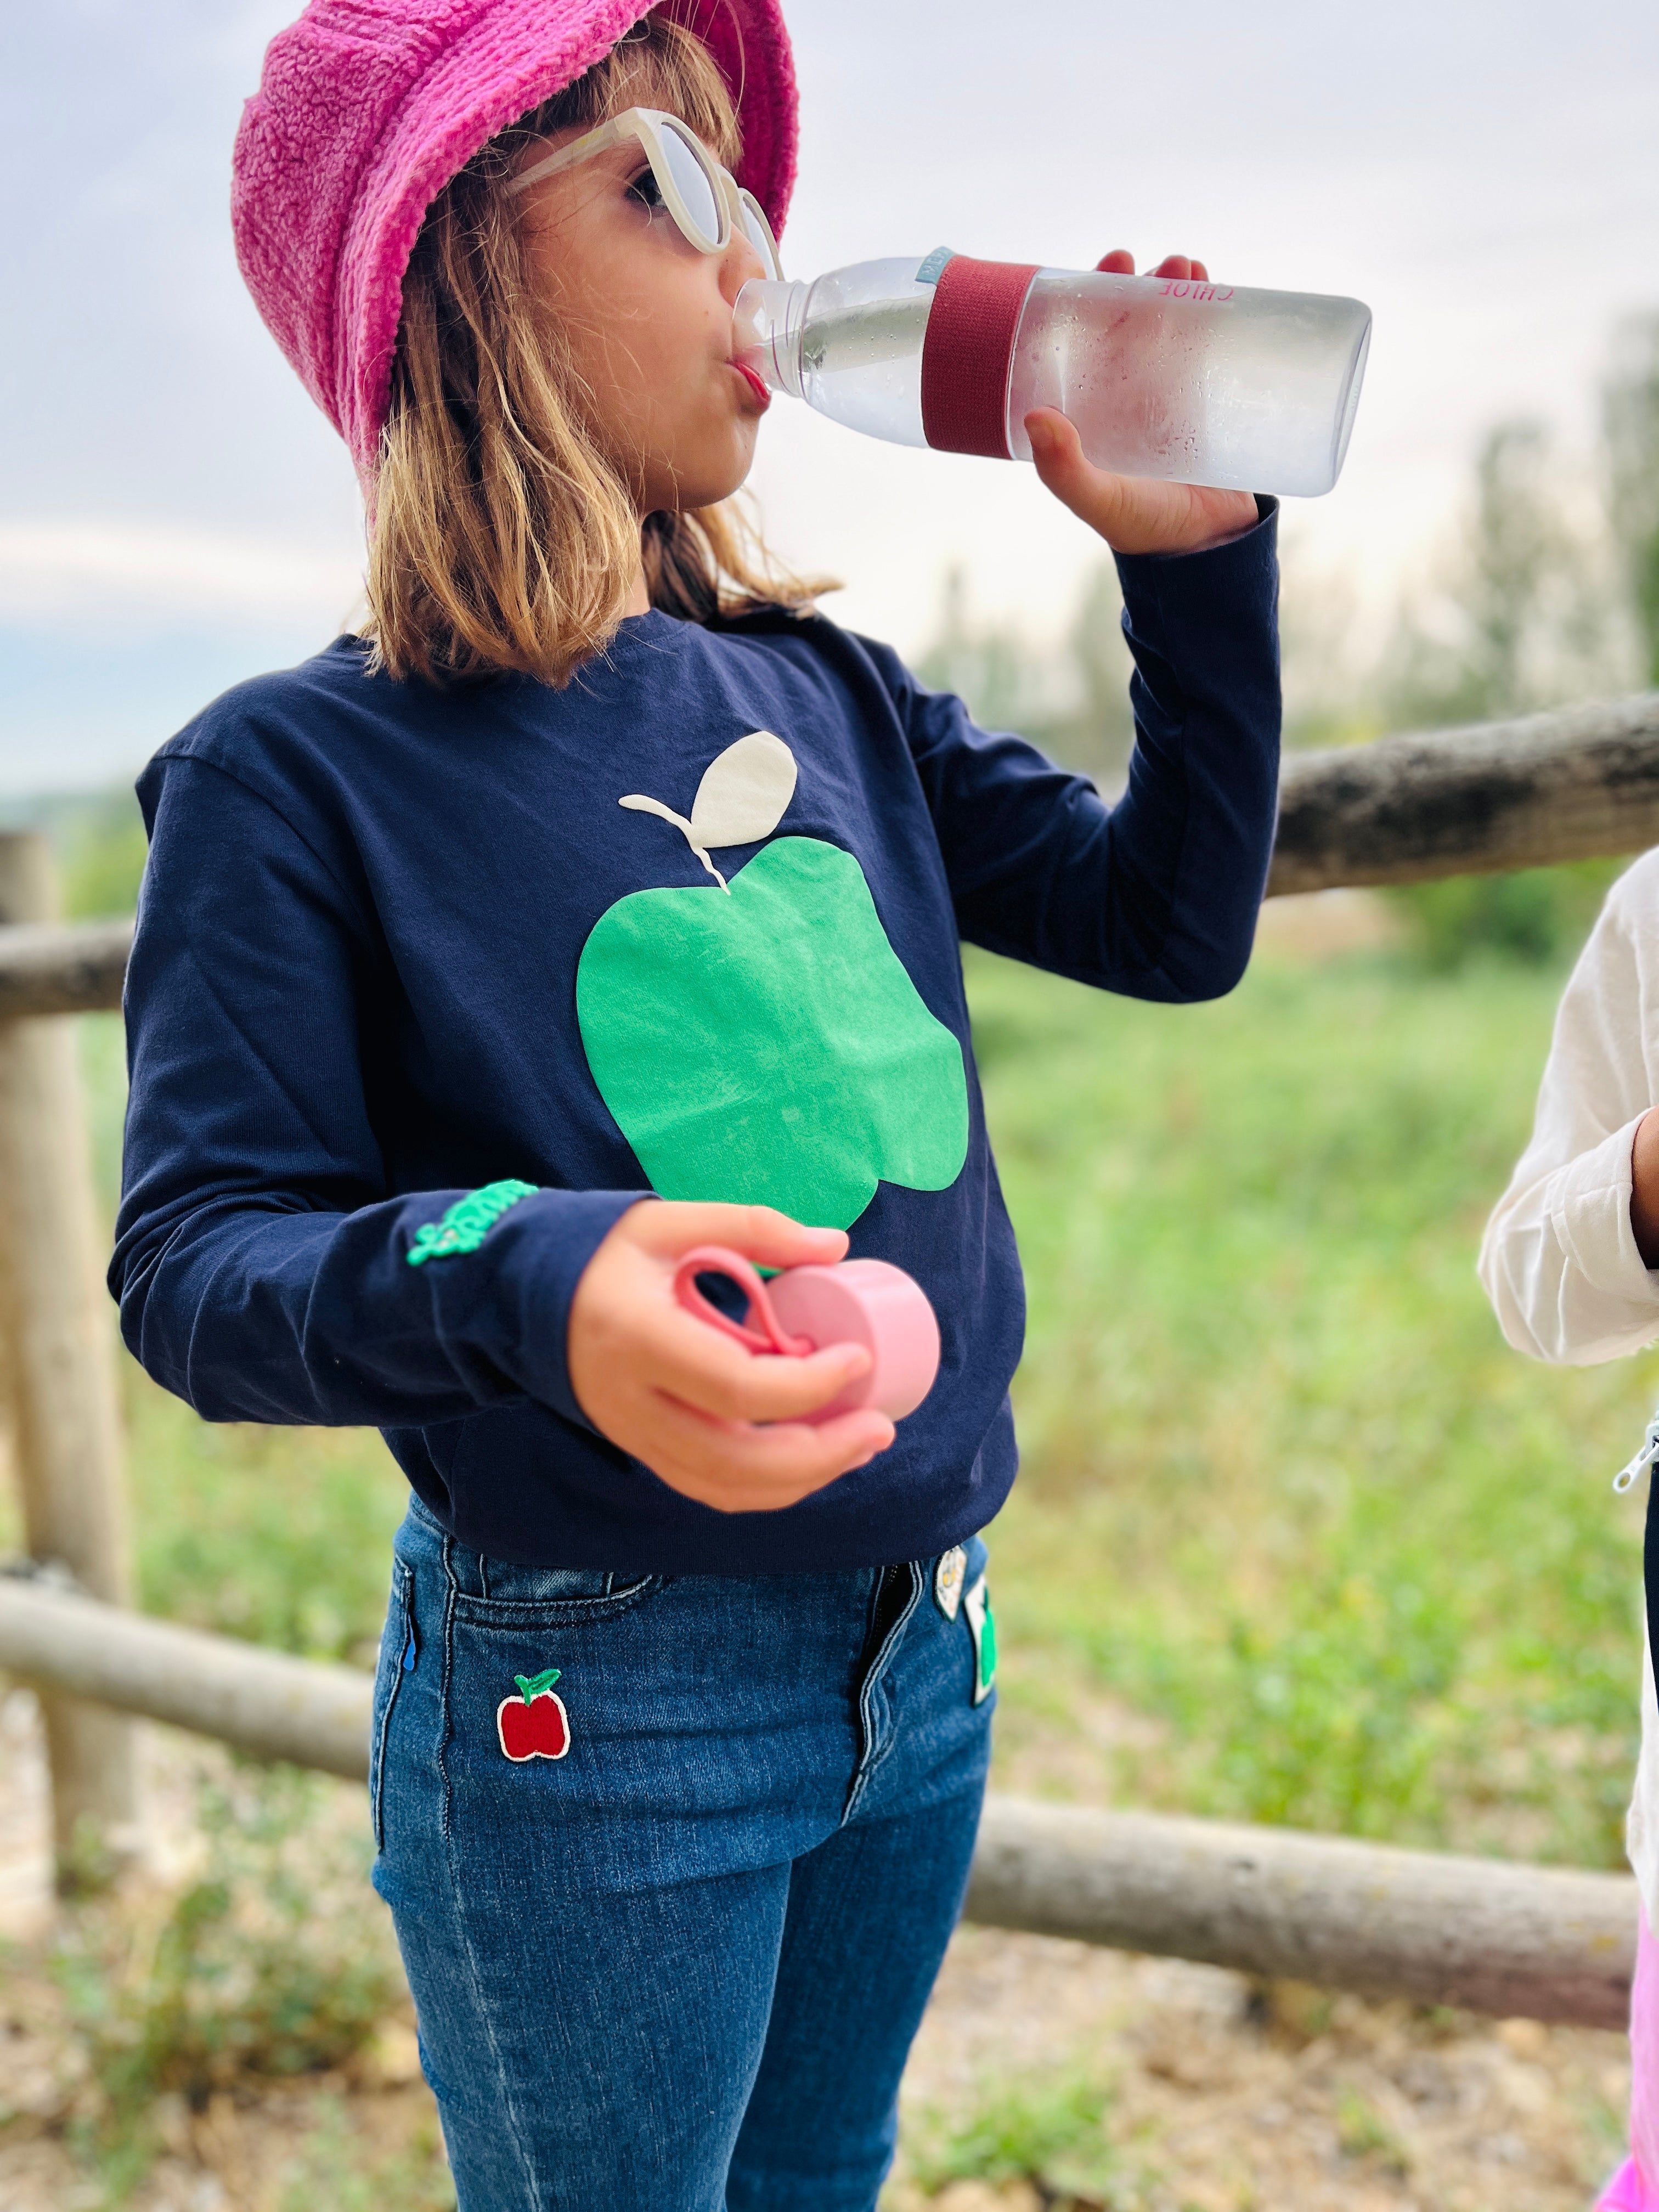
[(758, 232), (693, 183)]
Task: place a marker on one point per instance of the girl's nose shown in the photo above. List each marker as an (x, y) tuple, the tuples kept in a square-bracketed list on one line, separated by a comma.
[(739, 262)]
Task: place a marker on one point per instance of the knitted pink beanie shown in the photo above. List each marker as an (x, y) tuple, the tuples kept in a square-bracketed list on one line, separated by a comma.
[(365, 111)]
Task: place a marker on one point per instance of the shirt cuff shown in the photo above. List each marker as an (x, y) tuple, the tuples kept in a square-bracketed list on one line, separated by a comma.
[(516, 1311), (1267, 507), (1588, 1202)]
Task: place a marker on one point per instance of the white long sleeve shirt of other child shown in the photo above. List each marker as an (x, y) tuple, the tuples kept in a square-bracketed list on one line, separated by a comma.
[(1559, 1261)]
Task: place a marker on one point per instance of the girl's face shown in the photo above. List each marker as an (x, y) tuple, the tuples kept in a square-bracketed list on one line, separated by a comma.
[(648, 320)]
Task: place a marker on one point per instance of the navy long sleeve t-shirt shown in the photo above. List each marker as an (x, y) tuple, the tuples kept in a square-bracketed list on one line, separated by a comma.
[(690, 924)]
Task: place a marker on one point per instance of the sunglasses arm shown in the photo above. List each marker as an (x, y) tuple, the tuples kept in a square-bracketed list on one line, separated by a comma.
[(613, 133)]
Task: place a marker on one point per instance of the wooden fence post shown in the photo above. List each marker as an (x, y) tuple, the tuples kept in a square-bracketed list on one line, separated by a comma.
[(59, 1376)]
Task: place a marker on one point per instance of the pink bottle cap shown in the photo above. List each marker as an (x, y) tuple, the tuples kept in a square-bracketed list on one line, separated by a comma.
[(806, 1310)]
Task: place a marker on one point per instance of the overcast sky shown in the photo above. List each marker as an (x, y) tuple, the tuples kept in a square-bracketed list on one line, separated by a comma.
[(174, 514)]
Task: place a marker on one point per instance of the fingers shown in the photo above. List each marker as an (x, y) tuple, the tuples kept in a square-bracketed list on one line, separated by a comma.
[(1057, 451), (754, 1470), (1133, 515), (1122, 263), (761, 1234), (629, 1314), (713, 1419), (789, 1451), (704, 1369)]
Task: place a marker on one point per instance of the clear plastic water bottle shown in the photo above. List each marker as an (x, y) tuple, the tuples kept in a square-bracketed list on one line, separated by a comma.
[(1195, 381)]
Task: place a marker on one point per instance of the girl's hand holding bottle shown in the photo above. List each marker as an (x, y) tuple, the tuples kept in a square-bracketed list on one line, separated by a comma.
[(702, 1413), (1136, 514)]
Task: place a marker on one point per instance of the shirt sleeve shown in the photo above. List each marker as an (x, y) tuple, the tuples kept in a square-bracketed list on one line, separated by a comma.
[(1559, 1260), (1156, 897), (262, 1261)]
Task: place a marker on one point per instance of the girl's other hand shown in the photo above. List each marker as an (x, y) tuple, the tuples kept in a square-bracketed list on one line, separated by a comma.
[(715, 1422), (1136, 514), (1644, 1188)]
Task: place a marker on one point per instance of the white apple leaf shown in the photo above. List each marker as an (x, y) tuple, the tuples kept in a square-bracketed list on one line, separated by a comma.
[(745, 793)]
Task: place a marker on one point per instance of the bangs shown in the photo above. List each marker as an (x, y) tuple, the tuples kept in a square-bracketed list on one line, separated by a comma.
[(657, 64)]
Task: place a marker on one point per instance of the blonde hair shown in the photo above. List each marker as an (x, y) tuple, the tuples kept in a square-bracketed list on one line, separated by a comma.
[(500, 539)]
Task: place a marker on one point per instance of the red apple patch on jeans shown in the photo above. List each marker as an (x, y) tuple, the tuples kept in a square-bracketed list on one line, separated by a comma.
[(534, 1724)]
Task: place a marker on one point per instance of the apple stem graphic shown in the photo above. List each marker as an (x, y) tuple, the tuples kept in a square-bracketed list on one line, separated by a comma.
[(531, 1686), (640, 805)]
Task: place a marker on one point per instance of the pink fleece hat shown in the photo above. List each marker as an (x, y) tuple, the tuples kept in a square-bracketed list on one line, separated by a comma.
[(365, 111)]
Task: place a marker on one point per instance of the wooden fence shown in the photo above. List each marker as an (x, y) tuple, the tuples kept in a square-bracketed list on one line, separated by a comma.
[(1556, 1944)]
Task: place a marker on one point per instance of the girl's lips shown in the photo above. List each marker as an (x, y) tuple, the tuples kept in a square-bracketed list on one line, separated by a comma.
[(753, 380)]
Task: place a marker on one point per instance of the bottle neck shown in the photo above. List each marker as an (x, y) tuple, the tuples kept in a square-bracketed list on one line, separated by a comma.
[(768, 321)]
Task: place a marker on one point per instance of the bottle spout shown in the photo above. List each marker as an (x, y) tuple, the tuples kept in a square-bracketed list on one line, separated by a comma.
[(767, 321)]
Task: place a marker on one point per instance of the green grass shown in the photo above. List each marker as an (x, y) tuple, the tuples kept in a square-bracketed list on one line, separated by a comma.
[(1049, 2131), (1285, 1491), (1290, 1510), (335, 2169), (261, 1969), (280, 1536)]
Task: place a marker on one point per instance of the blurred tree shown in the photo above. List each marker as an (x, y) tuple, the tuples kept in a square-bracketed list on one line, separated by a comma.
[(1527, 614), (104, 847), (989, 666), (99, 838), (1073, 703), (1630, 417), (1523, 615)]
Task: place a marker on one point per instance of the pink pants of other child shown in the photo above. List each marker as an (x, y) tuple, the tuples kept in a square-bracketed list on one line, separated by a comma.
[(1635, 2187)]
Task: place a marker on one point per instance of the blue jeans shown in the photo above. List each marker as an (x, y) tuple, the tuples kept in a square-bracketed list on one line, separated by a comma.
[(671, 1924)]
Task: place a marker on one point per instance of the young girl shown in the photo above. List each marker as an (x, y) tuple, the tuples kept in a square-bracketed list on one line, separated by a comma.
[(1571, 1262), (601, 868)]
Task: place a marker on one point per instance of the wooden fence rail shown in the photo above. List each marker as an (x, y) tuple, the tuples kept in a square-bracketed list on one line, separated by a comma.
[(1485, 1933), (62, 967), (1579, 784), (262, 1702)]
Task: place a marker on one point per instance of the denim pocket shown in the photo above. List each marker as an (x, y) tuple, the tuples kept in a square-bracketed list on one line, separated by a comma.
[(396, 1659), (495, 1594)]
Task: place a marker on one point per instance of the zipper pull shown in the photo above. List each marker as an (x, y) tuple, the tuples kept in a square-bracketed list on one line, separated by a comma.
[(1643, 1460)]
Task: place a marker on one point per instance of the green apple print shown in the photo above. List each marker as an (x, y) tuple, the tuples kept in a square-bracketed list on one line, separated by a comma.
[(759, 1041)]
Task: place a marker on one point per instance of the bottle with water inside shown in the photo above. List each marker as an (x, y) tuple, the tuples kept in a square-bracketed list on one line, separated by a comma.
[(1197, 382)]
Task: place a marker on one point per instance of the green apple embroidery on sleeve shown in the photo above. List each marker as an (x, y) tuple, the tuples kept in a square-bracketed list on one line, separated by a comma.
[(468, 1222), (759, 1041)]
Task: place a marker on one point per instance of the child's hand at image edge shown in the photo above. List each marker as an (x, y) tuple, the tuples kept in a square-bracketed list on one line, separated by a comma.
[(1136, 514), (1645, 1187), (712, 1421)]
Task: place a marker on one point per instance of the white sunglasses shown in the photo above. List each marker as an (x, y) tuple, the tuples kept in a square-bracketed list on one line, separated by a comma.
[(705, 200)]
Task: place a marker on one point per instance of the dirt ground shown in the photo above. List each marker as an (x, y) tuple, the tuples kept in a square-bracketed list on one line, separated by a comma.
[(1228, 2099), (1219, 2097)]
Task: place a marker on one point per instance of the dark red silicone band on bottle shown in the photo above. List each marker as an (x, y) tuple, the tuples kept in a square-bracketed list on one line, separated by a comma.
[(967, 353)]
